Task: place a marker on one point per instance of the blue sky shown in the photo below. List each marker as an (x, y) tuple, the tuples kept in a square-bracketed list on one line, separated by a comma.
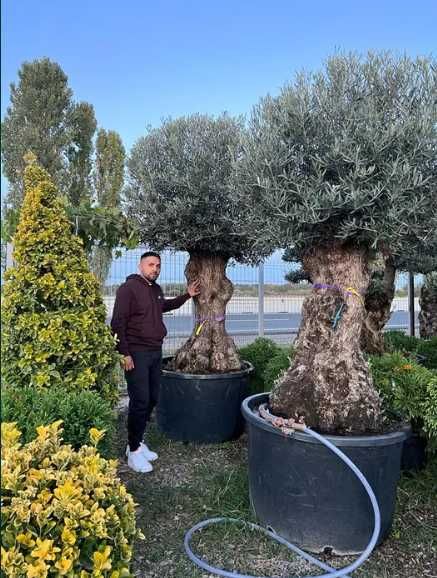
[(139, 61)]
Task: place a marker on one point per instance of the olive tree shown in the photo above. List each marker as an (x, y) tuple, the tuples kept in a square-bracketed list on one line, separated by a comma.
[(381, 290), (341, 166), (377, 301), (428, 306), (379, 296), (181, 192)]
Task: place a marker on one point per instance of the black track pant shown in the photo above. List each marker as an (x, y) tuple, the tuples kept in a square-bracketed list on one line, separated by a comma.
[(143, 389)]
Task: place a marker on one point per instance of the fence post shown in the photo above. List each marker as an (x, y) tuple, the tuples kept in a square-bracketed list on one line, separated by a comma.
[(411, 303), (261, 299)]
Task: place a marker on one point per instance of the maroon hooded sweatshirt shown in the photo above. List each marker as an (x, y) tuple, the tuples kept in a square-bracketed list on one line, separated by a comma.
[(137, 315)]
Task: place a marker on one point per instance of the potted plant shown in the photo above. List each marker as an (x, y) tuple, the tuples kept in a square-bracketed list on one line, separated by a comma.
[(181, 194), (419, 256), (338, 166)]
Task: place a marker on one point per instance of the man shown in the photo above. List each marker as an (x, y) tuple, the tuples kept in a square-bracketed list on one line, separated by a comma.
[(137, 322)]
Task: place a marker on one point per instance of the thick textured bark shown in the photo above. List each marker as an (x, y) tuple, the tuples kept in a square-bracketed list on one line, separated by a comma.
[(209, 349), (428, 309), (378, 309), (100, 263), (329, 381)]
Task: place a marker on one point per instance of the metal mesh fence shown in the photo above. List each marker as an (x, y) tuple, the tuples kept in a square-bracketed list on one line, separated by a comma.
[(246, 316), (263, 303)]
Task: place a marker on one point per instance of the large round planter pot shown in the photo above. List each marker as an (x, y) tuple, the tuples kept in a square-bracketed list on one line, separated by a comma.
[(202, 408), (307, 495), (413, 453)]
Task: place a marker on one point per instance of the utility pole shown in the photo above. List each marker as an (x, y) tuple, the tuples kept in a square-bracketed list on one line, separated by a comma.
[(411, 303), (261, 300)]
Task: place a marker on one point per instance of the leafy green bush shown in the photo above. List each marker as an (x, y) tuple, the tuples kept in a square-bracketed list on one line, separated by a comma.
[(64, 512), (430, 411), (400, 341), (53, 317), (276, 366), (79, 411), (427, 349), (259, 353), (424, 350), (407, 390)]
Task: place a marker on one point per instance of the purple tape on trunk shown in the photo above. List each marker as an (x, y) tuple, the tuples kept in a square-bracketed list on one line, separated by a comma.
[(324, 286), (348, 291)]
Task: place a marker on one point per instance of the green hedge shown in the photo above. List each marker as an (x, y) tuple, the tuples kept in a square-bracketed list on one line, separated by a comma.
[(80, 411), (276, 366), (408, 390), (268, 359), (400, 341), (424, 350), (259, 353), (427, 348)]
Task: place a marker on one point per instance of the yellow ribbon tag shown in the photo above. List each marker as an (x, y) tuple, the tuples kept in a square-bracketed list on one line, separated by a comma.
[(199, 329), (355, 292)]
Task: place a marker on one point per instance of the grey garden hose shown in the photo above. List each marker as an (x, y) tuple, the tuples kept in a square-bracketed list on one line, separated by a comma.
[(331, 572)]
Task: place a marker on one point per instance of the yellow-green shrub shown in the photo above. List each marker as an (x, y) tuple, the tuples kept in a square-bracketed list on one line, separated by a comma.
[(64, 513), (53, 317)]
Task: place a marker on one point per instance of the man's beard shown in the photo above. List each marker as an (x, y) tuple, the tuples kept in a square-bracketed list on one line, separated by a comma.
[(151, 279)]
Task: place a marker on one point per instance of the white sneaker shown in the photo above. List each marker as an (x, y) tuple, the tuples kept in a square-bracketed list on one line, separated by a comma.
[(137, 462), (148, 454)]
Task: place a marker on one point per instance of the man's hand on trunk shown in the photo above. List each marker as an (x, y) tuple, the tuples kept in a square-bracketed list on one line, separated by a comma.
[(193, 288)]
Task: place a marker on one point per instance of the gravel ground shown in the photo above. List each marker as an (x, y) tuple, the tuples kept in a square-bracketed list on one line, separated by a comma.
[(193, 482)]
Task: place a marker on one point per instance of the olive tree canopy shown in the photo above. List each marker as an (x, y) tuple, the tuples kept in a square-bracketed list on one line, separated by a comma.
[(182, 194), (348, 154), (181, 187), (341, 165)]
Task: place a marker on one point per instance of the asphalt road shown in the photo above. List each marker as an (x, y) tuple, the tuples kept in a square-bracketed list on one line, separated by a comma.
[(247, 323)]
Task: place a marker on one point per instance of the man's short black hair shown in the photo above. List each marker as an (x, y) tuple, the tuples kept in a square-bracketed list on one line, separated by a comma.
[(150, 254)]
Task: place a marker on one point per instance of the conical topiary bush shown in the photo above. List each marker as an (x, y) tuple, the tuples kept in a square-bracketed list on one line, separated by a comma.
[(53, 317)]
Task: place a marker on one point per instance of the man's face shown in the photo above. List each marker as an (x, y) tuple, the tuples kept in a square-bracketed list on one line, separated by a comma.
[(150, 267)]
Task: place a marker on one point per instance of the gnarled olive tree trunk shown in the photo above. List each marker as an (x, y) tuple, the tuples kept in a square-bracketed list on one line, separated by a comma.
[(428, 307), (329, 381), (100, 261), (378, 302), (209, 349)]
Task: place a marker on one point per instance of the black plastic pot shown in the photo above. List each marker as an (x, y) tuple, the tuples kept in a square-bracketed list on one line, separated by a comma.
[(413, 453), (308, 496), (202, 408)]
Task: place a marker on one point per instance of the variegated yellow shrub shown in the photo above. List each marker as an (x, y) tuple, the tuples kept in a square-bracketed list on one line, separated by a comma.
[(53, 316), (64, 513)]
